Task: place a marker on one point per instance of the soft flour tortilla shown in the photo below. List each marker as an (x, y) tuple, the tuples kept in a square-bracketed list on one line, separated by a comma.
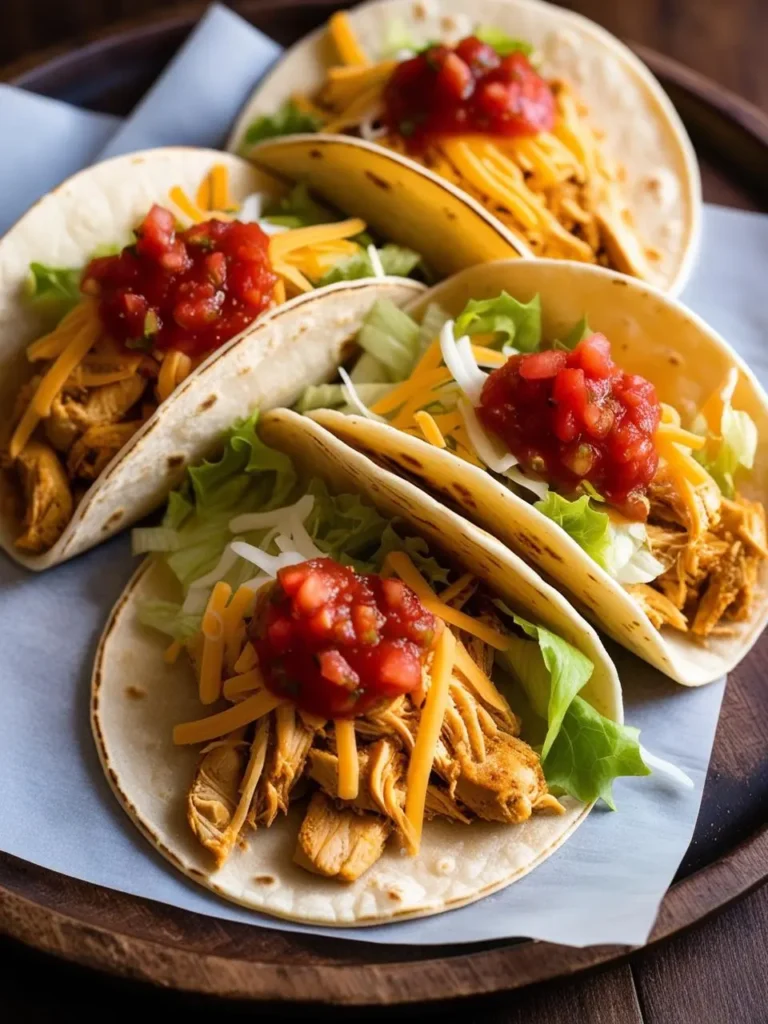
[(394, 194), (136, 701), (651, 335), (100, 206), (642, 129)]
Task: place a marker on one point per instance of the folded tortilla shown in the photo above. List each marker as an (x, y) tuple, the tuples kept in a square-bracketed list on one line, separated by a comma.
[(643, 189), (687, 362), (67, 497), (137, 700)]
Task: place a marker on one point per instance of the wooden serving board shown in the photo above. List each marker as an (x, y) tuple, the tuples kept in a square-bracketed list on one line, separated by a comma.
[(139, 939)]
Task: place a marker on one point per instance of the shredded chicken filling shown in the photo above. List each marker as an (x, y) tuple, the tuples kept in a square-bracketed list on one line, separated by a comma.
[(482, 769)]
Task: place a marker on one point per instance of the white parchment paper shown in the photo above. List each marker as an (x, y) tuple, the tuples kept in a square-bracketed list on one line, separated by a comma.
[(56, 810)]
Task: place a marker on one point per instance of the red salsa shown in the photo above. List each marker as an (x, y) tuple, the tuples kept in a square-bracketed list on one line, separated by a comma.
[(337, 643), (189, 290), (466, 89), (576, 416)]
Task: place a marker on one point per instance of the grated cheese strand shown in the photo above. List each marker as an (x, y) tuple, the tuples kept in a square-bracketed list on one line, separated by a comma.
[(205, 729), (429, 429), (349, 769), (430, 724), (410, 575), (213, 644), (340, 30)]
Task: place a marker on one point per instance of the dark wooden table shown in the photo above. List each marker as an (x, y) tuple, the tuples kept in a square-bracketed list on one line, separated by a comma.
[(717, 972)]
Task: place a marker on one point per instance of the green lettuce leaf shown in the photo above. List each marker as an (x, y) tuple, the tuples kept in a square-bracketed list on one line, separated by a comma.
[(502, 43), (590, 751), (332, 396), (288, 120), (298, 210), (551, 672), (734, 450), (53, 291), (515, 323), (583, 751), (394, 539), (577, 333), (397, 39), (166, 617), (589, 528), (396, 260), (391, 337)]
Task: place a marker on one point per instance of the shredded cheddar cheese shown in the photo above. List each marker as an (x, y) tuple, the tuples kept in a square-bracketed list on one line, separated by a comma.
[(247, 660), (205, 729), (410, 575), (288, 241), (429, 429), (236, 686), (213, 644), (430, 724), (347, 45), (172, 652), (346, 748)]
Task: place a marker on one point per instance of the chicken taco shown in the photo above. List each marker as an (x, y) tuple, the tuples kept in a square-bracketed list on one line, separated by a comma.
[(598, 428), (545, 119), (143, 278), (322, 669)]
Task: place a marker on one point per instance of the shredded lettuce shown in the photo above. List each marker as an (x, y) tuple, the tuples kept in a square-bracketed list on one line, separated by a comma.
[(620, 548), (331, 396), (298, 210), (577, 333), (583, 751), (431, 324), (53, 291), (415, 547), (515, 323), (735, 447), (288, 120), (590, 751), (502, 43), (392, 337), (398, 40), (251, 477), (396, 261), (589, 528)]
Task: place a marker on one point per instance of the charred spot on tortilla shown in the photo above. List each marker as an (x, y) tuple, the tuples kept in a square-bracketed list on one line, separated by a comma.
[(378, 182), (135, 692), (675, 359), (450, 214), (619, 282), (244, 371), (412, 461), (553, 555), (116, 516), (315, 154), (265, 880), (174, 461), (208, 403)]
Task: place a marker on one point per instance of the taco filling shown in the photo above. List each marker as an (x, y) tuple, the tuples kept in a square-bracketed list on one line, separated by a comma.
[(360, 673), (478, 112), (561, 424), (130, 326)]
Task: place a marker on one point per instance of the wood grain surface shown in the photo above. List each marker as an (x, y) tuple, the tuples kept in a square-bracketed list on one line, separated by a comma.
[(717, 972)]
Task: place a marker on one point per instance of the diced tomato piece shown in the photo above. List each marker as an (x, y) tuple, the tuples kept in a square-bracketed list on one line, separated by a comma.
[(564, 424), (542, 365), (292, 576), (336, 669), (478, 56), (594, 356), (455, 78), (349, 652), (399, 671)]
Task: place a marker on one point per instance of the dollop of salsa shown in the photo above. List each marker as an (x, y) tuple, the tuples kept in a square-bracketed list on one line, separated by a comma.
[(189, 290), (576, 416), (337, 643), (466, 89)]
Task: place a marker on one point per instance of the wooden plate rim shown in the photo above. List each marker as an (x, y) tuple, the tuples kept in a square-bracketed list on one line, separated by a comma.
[(59, 931)]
